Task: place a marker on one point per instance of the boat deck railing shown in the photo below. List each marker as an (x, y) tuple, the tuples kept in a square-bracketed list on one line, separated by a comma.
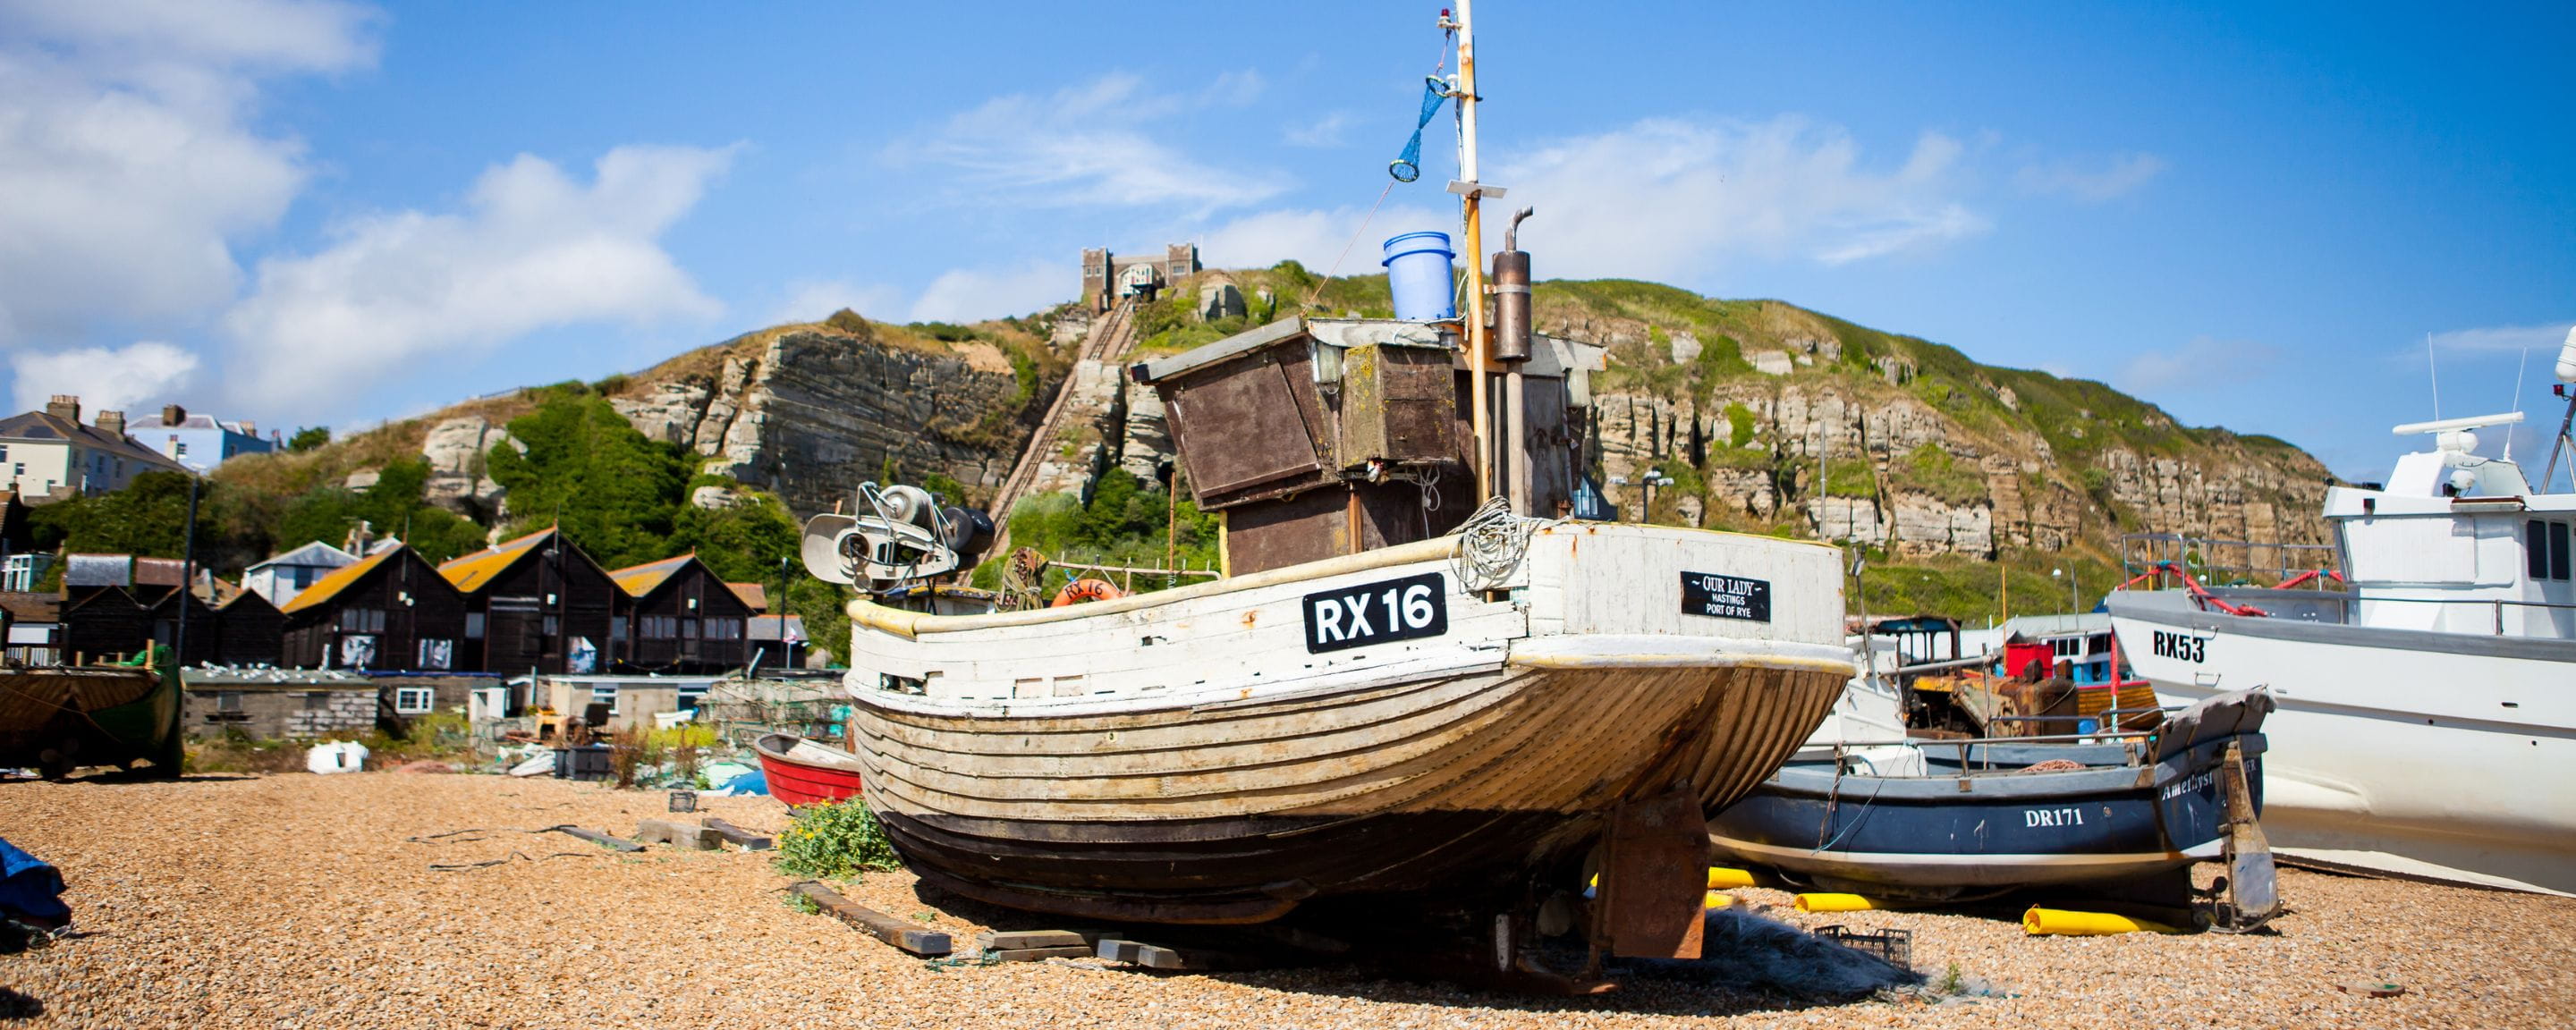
[(2136, 755), (2496, 605)]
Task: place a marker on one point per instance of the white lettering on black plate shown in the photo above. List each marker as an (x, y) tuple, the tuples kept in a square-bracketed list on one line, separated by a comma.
[(1726, 597), (1374, 613)]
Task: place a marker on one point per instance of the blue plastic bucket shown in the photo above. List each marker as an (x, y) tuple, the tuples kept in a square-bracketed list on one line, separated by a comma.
[(1419, 274)]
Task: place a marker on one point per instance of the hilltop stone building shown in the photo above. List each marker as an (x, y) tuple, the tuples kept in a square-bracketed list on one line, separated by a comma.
[(1107, 277)]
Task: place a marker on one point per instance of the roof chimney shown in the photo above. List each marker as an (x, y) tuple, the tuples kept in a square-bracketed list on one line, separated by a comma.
[(64, 406), (173, 415), (112, 422)]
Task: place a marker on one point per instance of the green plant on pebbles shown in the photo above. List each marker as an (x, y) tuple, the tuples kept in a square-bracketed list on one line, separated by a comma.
[(835, 841)]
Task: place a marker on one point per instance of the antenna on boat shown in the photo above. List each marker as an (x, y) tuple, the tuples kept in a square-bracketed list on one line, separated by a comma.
[(2433, 372), (2519, 367)]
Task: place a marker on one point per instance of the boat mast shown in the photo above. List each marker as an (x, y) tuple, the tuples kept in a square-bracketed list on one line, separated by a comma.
[(1478, 364)]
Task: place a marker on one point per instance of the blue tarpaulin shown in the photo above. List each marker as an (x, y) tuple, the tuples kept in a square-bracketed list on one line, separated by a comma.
[(29, 887)]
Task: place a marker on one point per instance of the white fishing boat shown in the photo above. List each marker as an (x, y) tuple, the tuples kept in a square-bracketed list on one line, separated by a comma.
[(1410, 688), (2427, 715)]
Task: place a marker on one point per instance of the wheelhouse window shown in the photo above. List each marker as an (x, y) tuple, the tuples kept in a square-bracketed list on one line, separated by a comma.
[(2546, 550)]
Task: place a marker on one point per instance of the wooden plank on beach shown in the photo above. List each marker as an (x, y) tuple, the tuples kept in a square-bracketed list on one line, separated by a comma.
[(909, 936), (739, 837), (1038, 954), (1014, 940), (601, 839)]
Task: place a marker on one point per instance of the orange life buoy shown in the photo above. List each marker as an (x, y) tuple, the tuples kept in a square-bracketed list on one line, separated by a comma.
[(1081, 590)]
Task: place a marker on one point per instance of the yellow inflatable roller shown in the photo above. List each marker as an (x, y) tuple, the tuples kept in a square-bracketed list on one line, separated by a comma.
[(2057, 921), (1834, 903), (1728, 879), (1717, 899)]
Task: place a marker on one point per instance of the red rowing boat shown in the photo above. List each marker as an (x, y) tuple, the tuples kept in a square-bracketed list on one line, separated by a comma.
[(802, 772)]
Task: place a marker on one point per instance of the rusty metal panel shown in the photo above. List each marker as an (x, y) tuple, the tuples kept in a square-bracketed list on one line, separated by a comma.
[(1396, 405), (1653, 877), (1238, 426), (1271, 534)]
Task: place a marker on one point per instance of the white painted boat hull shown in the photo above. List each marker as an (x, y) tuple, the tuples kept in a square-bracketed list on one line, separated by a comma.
[(1193, 756), (2388, 741)]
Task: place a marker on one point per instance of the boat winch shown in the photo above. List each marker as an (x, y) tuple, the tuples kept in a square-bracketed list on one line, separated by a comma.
[(901, 534)]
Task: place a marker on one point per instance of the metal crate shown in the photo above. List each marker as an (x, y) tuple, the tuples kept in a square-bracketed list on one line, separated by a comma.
[(1894, 947)]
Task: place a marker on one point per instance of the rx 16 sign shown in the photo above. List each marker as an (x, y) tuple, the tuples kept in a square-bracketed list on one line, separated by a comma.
[(1374, 613)]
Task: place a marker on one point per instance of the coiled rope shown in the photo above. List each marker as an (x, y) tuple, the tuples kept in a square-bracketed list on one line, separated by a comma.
[(1492, 543)]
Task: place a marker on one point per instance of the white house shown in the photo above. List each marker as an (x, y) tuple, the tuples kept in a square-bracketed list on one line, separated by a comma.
[(50, 456), (283, 576), (199, 441)]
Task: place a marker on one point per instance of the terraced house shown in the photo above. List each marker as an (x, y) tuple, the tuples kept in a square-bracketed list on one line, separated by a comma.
[(50, 456)]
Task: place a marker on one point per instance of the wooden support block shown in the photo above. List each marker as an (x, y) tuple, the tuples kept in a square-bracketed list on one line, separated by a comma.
[(737, 836), (1156, 957), (1020, 939), (912, 937), (1038, 954), (678, 835), (602, 839)]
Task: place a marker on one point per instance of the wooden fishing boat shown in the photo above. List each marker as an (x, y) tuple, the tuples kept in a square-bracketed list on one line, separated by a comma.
[(802, 772), (1409, 691), (59, 719), (1932, 818), (1191, 755)]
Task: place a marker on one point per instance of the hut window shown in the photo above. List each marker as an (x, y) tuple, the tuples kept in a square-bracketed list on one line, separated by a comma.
[(228, 701), (617, 627), (724, 629), (549, 627), (315, 701), (362, 620), (661, 627), (414, 700), (689, 628), (474, 625)]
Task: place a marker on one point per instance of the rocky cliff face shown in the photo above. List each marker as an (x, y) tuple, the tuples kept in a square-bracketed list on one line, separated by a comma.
[(807, 412), (1771, 418), (810, 413), (1788, 420)]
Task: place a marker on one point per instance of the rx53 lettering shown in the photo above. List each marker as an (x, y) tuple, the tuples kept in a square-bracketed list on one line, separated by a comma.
[(2181, 646), (1373, 613)]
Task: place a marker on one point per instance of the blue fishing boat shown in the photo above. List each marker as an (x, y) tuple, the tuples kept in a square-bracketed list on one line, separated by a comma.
[(1948, 819)]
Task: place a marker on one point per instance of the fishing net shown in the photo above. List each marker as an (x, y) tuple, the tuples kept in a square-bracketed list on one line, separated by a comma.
[(1408, 165)]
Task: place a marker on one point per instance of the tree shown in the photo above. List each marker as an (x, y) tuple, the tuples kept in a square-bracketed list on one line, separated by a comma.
[(588, 470), (744, 542), (308, 438)]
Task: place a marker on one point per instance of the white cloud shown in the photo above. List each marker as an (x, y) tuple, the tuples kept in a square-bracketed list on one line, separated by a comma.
[(1669, 198), (2202, 361), (129, 378), (969, 295), (399, 292), (1235, 88), (127, 165), (812, 300), (2090, 183), (1083, 146), (1314, 238), (2545, 337), (1323, 132)]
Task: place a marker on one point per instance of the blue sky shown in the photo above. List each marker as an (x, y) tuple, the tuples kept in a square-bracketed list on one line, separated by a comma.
[(312, 213)]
